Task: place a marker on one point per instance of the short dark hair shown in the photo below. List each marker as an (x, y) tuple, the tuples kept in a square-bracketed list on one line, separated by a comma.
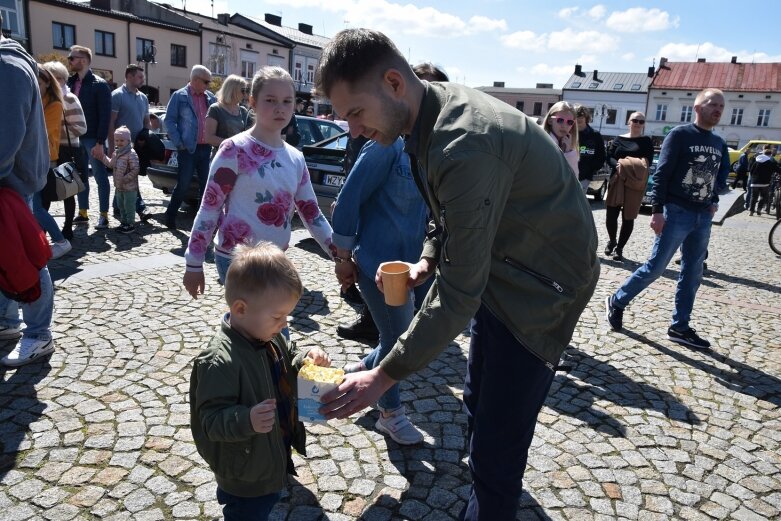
[(429, 72), (354, 54), (583, 111), (132, 69), (83, 50)]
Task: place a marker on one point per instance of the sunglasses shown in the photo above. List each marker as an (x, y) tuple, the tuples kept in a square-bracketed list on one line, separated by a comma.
[(638, 121), (71, 58), (562, 121)]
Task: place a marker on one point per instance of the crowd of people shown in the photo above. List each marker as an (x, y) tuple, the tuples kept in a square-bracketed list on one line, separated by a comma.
[(484, 206)]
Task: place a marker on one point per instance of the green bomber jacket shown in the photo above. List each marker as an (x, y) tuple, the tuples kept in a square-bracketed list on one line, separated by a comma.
[(229, 377), (517, 232)]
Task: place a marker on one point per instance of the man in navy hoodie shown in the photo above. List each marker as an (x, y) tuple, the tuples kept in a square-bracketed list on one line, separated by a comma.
[(24, 163), (692, 170)]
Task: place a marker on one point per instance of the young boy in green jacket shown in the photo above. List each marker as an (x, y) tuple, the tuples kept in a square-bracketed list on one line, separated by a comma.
[(243, 400)]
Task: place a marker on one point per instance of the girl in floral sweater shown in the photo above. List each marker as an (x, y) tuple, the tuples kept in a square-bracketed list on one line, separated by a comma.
[(256, 182)]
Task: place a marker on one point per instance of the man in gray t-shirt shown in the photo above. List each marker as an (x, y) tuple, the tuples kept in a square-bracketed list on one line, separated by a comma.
[(130, 107)]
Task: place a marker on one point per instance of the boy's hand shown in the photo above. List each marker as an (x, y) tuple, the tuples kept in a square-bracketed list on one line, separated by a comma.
[(319, 357), (262, 415)]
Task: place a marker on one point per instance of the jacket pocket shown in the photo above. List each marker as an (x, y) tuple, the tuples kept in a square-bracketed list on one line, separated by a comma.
[(540, 277), (464, 235), (250, 461)]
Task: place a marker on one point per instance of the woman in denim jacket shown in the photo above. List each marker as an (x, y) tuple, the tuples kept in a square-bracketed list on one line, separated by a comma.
[(380, 216)]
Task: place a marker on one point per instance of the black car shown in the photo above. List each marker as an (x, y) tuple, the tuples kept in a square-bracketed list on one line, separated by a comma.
[(325, 161), (163, 175), (598, 185)]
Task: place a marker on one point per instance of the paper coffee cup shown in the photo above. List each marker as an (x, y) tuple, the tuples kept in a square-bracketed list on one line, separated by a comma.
[(394, 282)]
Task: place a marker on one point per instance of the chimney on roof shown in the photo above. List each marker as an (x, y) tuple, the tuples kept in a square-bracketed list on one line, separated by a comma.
[(700, 60), (223, 18), (499, 84), (596, 73), (101, 4), (663, 63), (650, 72), (273, 19), (544, 86), (305, 28), (734, 59), (578, 70)]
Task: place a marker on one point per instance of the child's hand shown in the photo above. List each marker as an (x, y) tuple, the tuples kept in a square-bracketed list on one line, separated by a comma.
[(262, 415), (194, 283), (319, 357)]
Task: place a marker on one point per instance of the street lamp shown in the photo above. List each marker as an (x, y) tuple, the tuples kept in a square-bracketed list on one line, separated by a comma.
[(602, 116)]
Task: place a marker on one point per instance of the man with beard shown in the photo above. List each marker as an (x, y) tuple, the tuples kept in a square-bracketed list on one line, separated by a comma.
[(515, 249)]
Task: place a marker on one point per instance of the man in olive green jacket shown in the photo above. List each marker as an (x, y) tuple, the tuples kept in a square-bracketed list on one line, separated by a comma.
[(516, 250)]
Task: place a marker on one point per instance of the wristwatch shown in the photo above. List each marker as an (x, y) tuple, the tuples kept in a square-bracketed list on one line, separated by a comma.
[(340, 260)]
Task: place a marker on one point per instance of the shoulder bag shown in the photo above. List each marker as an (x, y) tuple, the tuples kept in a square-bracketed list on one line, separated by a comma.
[(64, 180)]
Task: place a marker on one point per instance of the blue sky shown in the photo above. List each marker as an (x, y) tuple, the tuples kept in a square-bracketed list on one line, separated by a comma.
[(524, 43)]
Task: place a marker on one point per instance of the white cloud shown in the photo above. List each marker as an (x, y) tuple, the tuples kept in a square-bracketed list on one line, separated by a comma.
[(395, 18), (687, 52), (543, 69), (585, 41), (640, 19), (629, 56), (524, 40), (567, 12), (597, 12)]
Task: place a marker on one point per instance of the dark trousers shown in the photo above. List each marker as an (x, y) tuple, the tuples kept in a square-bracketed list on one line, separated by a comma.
[(611, 223), (760, 194), (196, 163), (504, 390), (235, 508)]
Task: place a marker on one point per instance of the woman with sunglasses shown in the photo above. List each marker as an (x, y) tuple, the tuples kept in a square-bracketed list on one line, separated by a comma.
[(631, 144), (560, 125), (228, 117)]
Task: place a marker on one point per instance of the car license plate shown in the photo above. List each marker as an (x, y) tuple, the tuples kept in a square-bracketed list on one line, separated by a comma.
[(174, 159), (333, 180)]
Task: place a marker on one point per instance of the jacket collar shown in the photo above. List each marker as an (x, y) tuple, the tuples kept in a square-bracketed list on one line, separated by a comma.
[(428, 112)]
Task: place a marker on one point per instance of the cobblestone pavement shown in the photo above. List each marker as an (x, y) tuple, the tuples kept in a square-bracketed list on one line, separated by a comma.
[(641, 428)]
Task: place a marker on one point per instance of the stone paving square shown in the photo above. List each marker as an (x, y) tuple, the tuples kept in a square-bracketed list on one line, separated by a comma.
[(640, 428)]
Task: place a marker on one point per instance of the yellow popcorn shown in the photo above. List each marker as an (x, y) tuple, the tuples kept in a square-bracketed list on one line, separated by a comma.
[(313, 372)]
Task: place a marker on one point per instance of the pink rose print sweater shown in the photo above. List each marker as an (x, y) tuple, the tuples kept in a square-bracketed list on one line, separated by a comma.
[(250, 196)]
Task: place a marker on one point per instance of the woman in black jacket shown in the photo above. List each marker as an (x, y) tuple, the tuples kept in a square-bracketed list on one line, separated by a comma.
[(592, 147)]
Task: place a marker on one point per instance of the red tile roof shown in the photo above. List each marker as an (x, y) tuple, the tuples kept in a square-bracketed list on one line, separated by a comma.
[(754, 77)]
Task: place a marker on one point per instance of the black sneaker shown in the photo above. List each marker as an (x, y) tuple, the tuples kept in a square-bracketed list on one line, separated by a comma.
[(619, 255), (609, 248), (688, 338), (144, 215), (126, 228), (363, 328), (614, 315), (80, 220)]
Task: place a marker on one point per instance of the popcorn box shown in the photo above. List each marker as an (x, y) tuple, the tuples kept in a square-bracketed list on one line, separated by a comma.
[(313, 382), (309, 392)]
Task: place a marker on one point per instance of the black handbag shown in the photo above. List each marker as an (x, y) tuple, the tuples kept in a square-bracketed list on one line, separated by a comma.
[(64, 180)]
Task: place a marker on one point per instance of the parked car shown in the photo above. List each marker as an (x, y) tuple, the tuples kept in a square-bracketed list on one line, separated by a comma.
[(753, 147), (325, 161), (650, 183), (598, 185), (163, 175)]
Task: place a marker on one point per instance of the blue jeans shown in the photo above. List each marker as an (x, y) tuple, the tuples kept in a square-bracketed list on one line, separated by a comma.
[(237, 508), (391, 322), (189, 164), (504, 390), (690, 230), (99, 173), (37, 316), (45, 219)]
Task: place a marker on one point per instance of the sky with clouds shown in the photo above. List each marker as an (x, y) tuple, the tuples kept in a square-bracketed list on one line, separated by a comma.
[(525, 43)]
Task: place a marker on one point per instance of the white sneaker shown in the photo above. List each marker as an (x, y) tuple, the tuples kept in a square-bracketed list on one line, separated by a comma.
[(398, 427), (60, 248), (28, 350), (10, 333)]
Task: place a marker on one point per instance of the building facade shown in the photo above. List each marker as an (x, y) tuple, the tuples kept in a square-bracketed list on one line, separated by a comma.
[(752, 93), (532, 102), (611, 96)]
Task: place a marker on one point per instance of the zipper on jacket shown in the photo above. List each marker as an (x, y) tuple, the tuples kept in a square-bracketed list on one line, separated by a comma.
[(542, 278), (547, 364), (273, 392)]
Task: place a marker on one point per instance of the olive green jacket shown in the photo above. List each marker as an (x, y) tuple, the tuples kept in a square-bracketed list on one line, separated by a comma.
[(517, 232), (229, 377)]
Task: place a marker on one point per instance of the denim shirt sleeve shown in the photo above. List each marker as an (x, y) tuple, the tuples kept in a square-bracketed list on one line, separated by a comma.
[(370, 172), (172, 120)]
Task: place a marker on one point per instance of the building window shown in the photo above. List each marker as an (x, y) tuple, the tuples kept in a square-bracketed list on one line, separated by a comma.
[(104, 43), (218, 59), (661, 112), (686, 114), (63, 35), (519, 105), (537, 108), (618, 86), (298, 71), (576, 85), (310, 73), (763, 119), (593, 85), (10, 16), (737, 117), (249, 61), (611, 117), (178, 55), (145, 50), (635, 86)]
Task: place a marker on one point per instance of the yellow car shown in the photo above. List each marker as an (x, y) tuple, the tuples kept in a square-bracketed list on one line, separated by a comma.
[(754, 147)]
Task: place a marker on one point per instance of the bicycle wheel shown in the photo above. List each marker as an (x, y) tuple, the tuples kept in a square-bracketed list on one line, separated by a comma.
[(777, 202), (775, 238)]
